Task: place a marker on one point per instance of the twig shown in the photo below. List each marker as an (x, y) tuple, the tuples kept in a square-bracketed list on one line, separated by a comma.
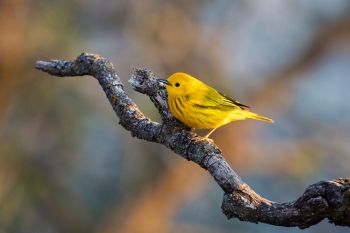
[(326, 199)]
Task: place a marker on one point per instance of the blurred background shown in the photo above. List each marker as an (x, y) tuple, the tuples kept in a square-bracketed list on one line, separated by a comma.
[(67, 166)]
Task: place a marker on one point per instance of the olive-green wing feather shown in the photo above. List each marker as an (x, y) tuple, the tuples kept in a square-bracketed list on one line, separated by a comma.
[(233, 101), (216, 100)]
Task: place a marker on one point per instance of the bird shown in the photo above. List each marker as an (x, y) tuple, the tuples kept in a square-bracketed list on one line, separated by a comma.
[(200, 106)]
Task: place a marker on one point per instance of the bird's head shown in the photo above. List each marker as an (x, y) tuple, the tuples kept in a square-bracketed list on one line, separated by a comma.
[(181, 84)]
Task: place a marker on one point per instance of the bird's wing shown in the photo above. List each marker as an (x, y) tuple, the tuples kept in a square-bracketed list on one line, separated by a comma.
[(233, 101), (216, 100)]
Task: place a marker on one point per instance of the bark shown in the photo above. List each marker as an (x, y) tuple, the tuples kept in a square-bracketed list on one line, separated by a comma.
[(325, 199)]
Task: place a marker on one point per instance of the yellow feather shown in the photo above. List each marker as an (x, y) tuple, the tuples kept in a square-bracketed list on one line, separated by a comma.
[(200, 106)]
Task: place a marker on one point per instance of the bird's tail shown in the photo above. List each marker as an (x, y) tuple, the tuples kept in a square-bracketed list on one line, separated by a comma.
[(245, 114), (251, 115)]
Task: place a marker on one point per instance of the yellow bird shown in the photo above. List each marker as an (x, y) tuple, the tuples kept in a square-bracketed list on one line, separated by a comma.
[(200, 106)]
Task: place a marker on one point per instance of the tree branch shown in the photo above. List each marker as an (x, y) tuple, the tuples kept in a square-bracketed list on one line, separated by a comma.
[(326, 199)]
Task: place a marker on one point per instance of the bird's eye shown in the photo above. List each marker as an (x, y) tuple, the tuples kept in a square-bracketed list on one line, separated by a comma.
[(177, 84)]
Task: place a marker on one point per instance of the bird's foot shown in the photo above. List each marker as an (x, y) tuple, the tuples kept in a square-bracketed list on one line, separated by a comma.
[(206, 137)]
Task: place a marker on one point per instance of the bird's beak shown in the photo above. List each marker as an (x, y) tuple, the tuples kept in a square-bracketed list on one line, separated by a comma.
[(164, 81)]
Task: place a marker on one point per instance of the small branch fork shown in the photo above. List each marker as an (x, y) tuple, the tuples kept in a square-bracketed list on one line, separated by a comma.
[(325, 199)]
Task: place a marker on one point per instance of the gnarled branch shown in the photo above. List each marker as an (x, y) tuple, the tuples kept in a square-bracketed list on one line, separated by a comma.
[(325, 199)]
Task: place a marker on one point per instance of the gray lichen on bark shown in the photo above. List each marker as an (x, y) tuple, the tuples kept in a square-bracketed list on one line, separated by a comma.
[(325, 199)]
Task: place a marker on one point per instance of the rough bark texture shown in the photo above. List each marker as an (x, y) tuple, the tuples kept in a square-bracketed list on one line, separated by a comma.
[(325, 199)]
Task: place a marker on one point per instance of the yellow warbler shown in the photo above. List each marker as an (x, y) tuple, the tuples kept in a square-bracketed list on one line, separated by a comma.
[(201, 106)]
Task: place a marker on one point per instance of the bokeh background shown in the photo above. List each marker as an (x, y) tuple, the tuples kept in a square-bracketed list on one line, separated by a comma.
[(67, 166)]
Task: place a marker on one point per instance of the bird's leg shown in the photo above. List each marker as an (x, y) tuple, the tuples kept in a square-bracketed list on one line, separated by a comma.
[(207, 136)]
